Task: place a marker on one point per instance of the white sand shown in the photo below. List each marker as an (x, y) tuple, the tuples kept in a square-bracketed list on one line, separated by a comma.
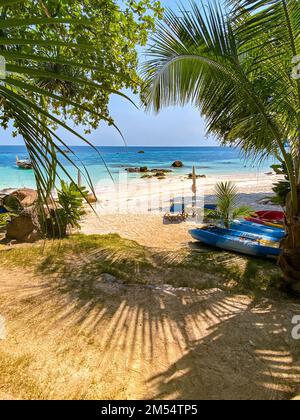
[(135, 209)]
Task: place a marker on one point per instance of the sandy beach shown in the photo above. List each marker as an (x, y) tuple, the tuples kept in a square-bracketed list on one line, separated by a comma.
[(135, 209)]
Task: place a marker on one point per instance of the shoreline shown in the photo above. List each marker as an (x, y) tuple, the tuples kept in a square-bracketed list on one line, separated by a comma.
[(251, 190), (128, 189), (127, 213)]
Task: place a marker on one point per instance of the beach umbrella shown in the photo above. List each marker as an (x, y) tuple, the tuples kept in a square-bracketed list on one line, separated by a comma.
[(194, 189), (194, 178), (79, 180)]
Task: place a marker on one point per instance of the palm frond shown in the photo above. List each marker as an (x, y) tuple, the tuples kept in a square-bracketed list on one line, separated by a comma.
[(237, 69), (40, 80)]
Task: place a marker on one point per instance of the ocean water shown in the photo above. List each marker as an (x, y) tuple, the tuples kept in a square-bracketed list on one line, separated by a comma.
[(208, 160)]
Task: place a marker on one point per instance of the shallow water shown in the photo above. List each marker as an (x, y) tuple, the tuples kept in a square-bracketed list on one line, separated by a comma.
[(208, 161)]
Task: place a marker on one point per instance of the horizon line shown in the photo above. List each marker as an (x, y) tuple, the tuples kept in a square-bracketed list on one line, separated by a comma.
[(125, 147)]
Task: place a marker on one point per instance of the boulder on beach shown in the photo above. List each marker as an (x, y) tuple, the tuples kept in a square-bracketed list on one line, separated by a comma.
[(27, 197), (91, 198), (22, 229), (177, 164)]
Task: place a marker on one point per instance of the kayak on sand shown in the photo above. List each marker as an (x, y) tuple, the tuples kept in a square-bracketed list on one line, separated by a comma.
[(238, 241)]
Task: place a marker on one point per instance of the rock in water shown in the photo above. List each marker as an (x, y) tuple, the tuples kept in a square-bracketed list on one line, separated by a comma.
[(177, 164), (166, 171), (143, 169), (160, 174)]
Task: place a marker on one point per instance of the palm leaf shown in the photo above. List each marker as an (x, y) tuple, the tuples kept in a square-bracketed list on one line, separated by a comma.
[(28, 93), (236, 69)]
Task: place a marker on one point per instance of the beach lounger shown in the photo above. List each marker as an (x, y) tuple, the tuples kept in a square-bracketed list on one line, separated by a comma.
[(177, 213)]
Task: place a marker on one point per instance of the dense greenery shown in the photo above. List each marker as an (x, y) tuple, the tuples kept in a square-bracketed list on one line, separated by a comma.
[(64, 60), (81, 50), (68, 212), (239, 69)]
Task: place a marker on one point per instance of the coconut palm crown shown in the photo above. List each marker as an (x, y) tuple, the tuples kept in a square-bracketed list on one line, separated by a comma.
[(239, 66)]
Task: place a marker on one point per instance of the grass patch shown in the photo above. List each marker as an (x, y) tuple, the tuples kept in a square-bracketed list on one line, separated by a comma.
[(85, 257)]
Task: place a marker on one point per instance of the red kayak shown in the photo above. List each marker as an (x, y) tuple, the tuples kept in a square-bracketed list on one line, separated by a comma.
[(268, 218)]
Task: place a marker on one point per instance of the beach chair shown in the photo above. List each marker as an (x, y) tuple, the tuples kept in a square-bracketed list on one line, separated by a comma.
[(177, 213)]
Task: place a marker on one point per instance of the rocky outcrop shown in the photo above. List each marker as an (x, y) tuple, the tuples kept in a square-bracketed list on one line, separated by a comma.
[(26, 196), (177, 164), (142, 169), (22, 228), (166, 171)]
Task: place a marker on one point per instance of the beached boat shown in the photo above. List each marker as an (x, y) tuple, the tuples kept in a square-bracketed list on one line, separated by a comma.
[(258, 229), (241, 242), (23, 164), (268, 218)]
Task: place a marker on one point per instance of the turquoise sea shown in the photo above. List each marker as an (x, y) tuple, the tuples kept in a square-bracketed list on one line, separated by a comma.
[(208, 160)]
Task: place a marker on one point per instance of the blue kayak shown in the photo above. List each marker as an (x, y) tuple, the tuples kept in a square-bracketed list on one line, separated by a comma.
[(3, 210), (265, 231), (241, 242), (210, 207)]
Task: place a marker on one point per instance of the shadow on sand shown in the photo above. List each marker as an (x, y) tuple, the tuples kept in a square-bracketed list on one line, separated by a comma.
[(158, 341)]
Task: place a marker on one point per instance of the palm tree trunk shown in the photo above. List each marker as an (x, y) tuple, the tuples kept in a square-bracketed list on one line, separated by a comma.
[(290, 260)]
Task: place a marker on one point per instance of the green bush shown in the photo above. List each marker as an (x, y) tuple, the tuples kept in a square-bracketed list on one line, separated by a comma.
[(68, 212)]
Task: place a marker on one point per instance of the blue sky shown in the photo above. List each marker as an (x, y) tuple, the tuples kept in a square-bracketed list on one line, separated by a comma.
[(172, 127)]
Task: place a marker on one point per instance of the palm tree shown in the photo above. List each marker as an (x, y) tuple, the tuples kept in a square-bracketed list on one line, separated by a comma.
[(237, 68), (228, 208)]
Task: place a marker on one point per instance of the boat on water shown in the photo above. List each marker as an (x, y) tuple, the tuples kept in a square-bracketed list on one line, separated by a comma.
[(23, 164), (237, 241)]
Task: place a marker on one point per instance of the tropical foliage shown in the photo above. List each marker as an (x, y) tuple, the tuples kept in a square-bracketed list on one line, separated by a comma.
[(68, 212), (240, 69), (228, 208), (282, 188), (63, 61)]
